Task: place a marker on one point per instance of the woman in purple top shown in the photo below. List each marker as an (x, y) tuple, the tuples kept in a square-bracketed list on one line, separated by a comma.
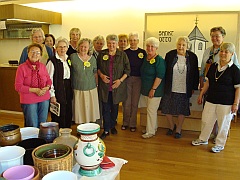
[(32, 83), (113, 69)]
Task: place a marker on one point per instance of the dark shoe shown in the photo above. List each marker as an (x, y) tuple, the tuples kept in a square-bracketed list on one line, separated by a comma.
[(170, 131), (133, 129), (178, 135), (114, 131), (124, 127), (104, 135)]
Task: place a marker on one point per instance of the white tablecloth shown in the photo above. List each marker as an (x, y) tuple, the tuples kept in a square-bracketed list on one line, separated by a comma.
[(106, 174)]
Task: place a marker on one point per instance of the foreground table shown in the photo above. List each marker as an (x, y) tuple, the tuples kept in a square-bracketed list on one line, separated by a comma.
[(106, 174)]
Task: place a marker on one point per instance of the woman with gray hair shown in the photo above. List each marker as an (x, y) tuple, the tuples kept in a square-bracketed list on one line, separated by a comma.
[(136, 56), (37, 36), (182, 78), (84, 83), (223, 86), (58, 68), (152, 76), (113, 69), (98, 43)]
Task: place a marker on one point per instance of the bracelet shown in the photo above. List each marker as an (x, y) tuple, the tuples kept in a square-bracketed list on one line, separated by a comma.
[(153, 89), (235, 104), (120, 80)]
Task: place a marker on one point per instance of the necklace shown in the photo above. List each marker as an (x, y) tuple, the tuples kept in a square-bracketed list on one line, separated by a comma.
[(216, 78), (181, 72)]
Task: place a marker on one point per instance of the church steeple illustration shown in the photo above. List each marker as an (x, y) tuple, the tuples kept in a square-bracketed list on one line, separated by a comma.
[(197, 41)]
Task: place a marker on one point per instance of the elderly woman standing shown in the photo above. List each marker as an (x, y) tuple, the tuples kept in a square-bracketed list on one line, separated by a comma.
[(84, 83), (50, 41), (182, 78), (113, 69), (223, 86), (210, 56), (37, 36), (98, 43), (58, 68), (136, 56), (152, 74), (122, 42), (75, 35), (33, 83)]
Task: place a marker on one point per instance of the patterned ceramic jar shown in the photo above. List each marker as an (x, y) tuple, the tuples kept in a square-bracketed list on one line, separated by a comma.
[(90, 149)]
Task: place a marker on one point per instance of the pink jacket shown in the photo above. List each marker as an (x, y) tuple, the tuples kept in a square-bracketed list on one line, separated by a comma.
[(23, 81)]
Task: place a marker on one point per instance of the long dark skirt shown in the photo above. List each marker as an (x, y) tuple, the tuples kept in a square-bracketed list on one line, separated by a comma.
[(65, 117), (175, 104)]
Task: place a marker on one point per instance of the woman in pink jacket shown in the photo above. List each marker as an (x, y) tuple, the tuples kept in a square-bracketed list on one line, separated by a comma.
[(32, 83)]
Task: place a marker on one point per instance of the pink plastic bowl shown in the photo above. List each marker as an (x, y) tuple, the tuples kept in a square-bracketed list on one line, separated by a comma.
[(22, 172)]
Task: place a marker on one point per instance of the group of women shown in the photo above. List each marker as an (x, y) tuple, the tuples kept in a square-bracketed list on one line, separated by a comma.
[(93, 78)]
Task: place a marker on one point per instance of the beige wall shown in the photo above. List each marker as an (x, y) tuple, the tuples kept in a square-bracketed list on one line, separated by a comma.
[(118, 16)]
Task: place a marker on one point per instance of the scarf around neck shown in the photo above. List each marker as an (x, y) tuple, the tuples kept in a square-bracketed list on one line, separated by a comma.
[(36, 81)]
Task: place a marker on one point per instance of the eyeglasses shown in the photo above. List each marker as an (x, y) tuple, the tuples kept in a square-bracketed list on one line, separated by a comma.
[(62, 47), (35, 37), (35, 52), (216, 36)]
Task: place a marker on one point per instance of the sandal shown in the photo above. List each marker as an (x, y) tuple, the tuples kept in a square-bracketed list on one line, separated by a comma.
[(124, 127), (133, 129)]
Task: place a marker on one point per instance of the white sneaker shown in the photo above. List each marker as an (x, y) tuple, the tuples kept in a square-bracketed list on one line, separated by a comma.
[(198, 142), (217, 149), (147, 135)]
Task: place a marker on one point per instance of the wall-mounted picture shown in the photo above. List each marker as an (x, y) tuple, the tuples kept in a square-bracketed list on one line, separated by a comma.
[(167, 27)]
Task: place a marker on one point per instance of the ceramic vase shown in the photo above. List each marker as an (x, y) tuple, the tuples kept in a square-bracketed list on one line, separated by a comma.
[(49, 131), (90, 150), (66, 138)]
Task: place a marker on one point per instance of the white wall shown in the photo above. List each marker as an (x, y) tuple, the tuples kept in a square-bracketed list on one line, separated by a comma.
[(103, 17)]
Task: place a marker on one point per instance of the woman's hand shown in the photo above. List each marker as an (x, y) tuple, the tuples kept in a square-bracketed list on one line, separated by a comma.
[(234, 108), (116, 83), (151, 93), (53, 100), (200, 99), (105, 78)]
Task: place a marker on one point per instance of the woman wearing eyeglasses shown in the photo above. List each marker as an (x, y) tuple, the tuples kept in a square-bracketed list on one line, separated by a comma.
[(33, 83), (210, 56), (37, 36), (61, 91), (223, 86)]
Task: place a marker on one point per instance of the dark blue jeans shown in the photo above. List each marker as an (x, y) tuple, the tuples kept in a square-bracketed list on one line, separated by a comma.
[(36, 113), (110, 113)]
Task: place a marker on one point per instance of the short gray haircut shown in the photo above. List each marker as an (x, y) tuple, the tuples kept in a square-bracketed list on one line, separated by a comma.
[(228, 46), (183, 38), (90, 51), (112, 37), (153, 41), (99, 37), (61, 39), (35, 30), (219, 28), (133, 34)]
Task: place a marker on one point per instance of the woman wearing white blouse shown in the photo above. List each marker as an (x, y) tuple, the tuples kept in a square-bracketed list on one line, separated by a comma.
[(59, 70)]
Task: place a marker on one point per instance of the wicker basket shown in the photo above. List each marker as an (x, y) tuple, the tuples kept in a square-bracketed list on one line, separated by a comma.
[(46, 166)]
